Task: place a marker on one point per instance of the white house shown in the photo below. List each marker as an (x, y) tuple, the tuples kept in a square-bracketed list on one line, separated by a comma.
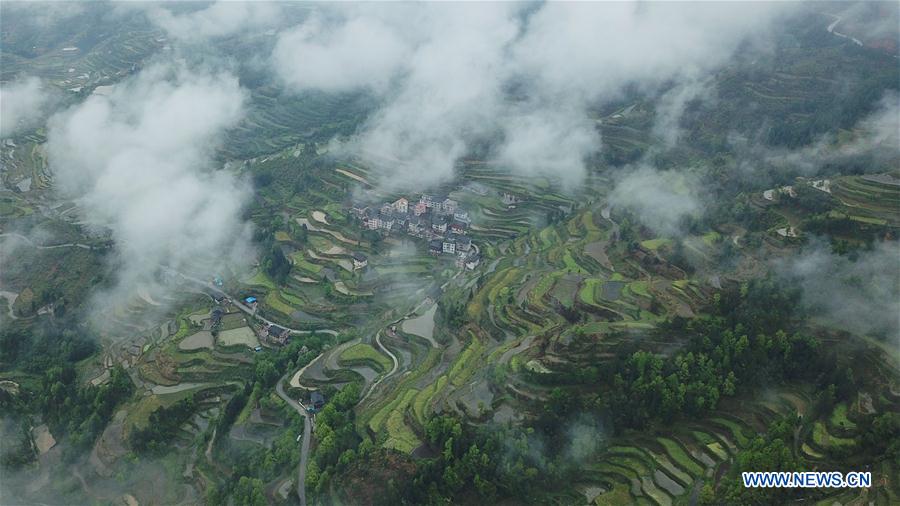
[(373, 221), (401, 205), (359, 261)]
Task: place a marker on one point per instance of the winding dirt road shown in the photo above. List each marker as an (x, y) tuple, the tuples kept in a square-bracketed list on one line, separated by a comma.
[(392, 371), (51, 246), (833, 25)]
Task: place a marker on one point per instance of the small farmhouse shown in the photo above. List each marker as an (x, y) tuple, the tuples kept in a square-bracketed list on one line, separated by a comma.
[(359, 261), (316, 401)]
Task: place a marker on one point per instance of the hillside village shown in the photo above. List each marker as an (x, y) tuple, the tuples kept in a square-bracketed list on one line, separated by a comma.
[(440, 221)]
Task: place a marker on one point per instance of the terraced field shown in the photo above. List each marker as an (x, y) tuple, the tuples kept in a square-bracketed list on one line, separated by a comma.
[(869, 199), (668, 468), (528, 281), (568, 286), (366, 354)]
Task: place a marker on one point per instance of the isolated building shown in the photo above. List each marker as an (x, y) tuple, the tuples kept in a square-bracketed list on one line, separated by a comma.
[(215, 317), (277, 335), (510, 198), (316, 400), (359, 261)]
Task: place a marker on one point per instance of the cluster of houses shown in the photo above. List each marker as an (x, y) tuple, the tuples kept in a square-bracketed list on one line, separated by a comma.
[(439, 220)]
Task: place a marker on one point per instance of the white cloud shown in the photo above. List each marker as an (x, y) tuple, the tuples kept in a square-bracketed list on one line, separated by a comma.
[(361, 53), (877, 135), (659, 199), (860, 295), (220, 19), (549, 142), (23, 104), (43, 15), (138, 162), (521, 76), (671, 105)]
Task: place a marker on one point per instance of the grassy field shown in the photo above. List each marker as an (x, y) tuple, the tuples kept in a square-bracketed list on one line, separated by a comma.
[(300, 262), (261, 279), (364, 353), (839, 417), (655, 244), (275, 302), (823, 439), (616, 496), (199, 340)]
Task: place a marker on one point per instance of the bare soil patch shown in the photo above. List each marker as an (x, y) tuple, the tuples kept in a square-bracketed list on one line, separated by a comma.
[(202, 339)]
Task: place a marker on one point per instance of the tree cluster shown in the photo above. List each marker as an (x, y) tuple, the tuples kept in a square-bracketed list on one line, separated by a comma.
[(162, 426), (336, 436), (749, 339)]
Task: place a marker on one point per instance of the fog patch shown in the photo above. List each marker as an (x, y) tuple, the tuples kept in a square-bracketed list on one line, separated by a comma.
[(860, 294), (219, 19), (522, 78), (585, 437), (44, 15), (549, 143), (877, 136), (671, 105), (139, 164), (660, 199), (316, 55), (24, 103)]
